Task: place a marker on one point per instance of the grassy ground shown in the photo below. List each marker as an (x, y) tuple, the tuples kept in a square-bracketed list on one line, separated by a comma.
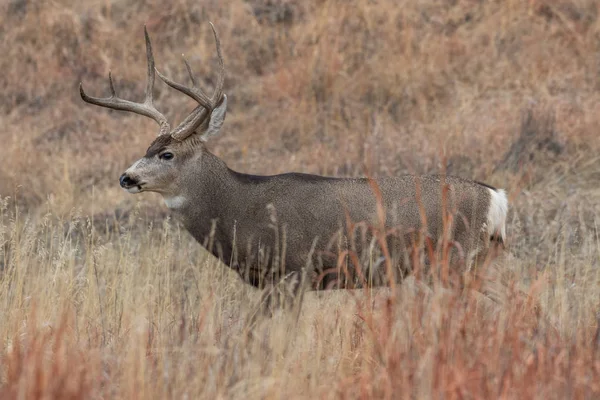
[(103, 296)]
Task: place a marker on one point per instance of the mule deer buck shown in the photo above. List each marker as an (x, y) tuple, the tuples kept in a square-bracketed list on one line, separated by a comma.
[(292, 226)]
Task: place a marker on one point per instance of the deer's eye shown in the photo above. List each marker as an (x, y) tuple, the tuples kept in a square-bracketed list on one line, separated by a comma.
[(166, 156)]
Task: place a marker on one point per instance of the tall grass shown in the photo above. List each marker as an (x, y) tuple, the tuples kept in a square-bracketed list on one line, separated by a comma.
[(141, 311)]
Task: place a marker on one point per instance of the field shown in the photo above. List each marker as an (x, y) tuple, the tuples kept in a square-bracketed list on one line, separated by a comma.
[(104, 295)]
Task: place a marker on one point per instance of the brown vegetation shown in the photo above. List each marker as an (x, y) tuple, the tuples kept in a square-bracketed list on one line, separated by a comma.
[(102, 296)]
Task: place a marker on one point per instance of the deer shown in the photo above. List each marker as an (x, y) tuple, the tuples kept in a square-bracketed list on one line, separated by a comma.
[(303, 230)]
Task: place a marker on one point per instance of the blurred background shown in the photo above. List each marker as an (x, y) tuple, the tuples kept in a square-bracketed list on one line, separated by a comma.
[(503, 91)]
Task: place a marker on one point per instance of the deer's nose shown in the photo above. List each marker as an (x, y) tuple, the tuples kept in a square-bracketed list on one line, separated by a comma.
[(126, 181)]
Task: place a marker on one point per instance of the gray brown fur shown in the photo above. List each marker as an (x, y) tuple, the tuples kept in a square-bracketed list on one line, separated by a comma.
[(306, 207)]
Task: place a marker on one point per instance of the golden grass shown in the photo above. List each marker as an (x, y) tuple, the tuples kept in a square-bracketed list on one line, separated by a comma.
[(145, 313), (102, 296)]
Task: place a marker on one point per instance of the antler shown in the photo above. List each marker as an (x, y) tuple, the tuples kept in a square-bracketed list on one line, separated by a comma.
[(146, 108), (193, 121), (206, 104)]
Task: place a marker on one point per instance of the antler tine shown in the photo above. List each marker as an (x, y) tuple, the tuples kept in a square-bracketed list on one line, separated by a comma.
[(206, 104), (195, 118), (146, 108), (194, 92), (190, 73), (221, 77), (150, 80)]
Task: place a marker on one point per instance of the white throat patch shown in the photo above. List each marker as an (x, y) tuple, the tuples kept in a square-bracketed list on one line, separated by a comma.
[(175, 202)]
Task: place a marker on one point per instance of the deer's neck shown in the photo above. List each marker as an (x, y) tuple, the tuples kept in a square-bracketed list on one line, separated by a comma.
[(205, 205)]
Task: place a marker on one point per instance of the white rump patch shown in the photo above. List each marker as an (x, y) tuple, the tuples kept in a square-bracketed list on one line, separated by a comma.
[(175, 202), (496, 218)]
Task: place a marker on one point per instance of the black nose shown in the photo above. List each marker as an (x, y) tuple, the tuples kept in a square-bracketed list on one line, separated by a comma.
[(127, 181)]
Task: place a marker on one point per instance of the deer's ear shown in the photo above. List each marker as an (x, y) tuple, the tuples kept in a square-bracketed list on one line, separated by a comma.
[(217, 117)]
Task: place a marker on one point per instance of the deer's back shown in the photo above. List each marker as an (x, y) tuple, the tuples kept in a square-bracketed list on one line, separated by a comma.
[(308, 212)]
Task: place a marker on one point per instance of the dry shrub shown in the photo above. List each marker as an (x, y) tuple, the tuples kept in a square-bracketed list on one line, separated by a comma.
[(47, 362), (538, 145)]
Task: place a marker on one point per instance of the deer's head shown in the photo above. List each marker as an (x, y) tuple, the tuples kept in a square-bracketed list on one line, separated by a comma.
[(174, 151)]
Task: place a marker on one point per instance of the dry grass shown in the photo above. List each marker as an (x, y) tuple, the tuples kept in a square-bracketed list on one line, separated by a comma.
[(102, 296)]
